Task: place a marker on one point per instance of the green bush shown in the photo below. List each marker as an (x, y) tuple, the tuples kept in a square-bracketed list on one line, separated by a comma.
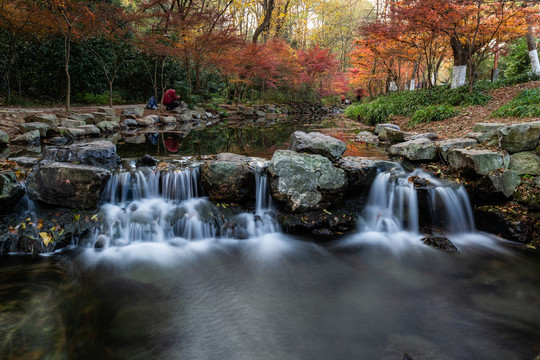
[(432, 113), (526, 104)]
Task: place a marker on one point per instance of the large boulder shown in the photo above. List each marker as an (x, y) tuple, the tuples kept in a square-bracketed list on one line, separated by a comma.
[(227, 178), (65, 184), (527, 162), (360, 173), (90, 130), (99, 117), (415, 150), (444, 146), (4, 138), (97, 153), (499, 185), (520, 137), (11, 190), (486, 132), (31, 126), (87, 118), (317, 143), (31, 137), (138, 111), (479, 162), (49, 119), (107, 111), (108, 126), (379, 127), (305, 182)]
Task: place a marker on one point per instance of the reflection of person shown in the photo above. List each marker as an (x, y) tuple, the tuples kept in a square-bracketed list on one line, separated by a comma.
[(170, 99)]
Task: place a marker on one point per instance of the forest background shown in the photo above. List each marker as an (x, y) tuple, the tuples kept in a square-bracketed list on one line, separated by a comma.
[(219, 51)]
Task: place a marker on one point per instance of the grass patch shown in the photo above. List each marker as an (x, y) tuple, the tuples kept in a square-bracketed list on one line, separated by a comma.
[(526, 104), (432, 113)]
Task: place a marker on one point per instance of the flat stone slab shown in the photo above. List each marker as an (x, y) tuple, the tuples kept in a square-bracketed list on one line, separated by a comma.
[(317, 143), (430, 136), (480, 162), (443, 146), (415, 150), (97, 153)]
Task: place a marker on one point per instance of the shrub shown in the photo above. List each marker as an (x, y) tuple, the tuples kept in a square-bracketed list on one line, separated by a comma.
[(527, 103), (432, 113)]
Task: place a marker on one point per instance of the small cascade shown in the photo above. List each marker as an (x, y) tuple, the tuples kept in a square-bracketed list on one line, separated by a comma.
[(263, 200), (393, 203)]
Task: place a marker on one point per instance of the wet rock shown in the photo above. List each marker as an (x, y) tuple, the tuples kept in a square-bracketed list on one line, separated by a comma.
[(392, 135), (65, 184), (477, 162), (4, 138), (99, 117), (11, 190), (305, 182), (108, 126), (97, 153), (527, 162), (58, 140), (317, 143), (399, 346), (510, 224), (379, 127), (138, 111), (31, 137), (227, 178), (444, 146), (520, 137), (441, 243), (70, 123), (360, 173), (90, 130), (87, 118), (415, 150), (42, 127), (430, 136), (146, 160), (49, 119), (107, 111)]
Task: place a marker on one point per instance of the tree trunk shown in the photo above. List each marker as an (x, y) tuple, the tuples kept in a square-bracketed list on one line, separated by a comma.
[(533, 52), (110, 93), (269, 8), (460, 63), (67, 49)]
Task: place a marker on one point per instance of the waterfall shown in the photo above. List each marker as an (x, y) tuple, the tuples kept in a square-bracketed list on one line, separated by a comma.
[(393, 203)]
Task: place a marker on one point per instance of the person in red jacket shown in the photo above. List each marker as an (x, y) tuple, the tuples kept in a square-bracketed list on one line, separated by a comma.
[(170, 99)]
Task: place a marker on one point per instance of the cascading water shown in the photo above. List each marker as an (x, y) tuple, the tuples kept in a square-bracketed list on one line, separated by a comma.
[(159, 206)]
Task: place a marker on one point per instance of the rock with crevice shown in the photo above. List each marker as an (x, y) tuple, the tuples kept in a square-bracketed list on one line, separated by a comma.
[(317, 143), (305, 182)]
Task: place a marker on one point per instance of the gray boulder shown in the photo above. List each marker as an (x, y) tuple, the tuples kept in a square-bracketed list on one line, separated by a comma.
[(130, 122), (69, 185), (520, 137), (108, 126), (392, 135), (415, 150), (379, 127), (367, 137), (70, 133), (71, 123), (49, 119), (184, 117), (87, 118), (486, 132), (444, 146), (25, 161), (430, 136), (227, 178), (144, 122), (4, 138), (167, 119), (527, 162), (107, 111), (99, 117), (31, 137), (479, 162), (90, 130), (305, 182), (31, 126), (360, 173), (97, 153), (138, 111), (11, 190), (317, 143), (500, 184)]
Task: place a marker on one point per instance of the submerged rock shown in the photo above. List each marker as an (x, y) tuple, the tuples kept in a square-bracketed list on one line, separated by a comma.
[(97, 153), (68, 185), (441, 243), (317, 143), (227, 178), (305, 182), (11, 190)]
